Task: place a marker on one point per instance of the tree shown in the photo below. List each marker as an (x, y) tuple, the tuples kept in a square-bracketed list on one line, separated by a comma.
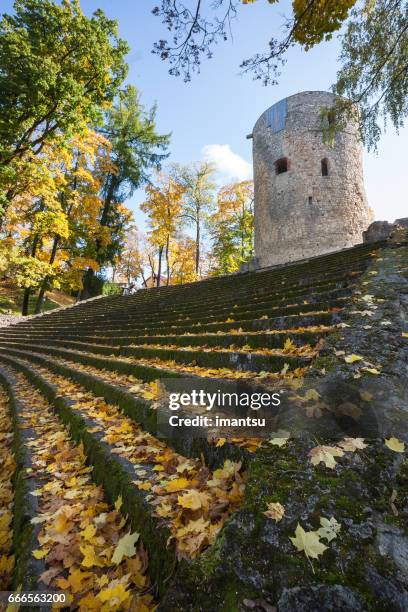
[(232, 227), (48, 223), (163, 207), (182, 261), (374, 72), (58, 69), (197, 183), (80, 204), (374, 56), (130, 263), (136, 150)]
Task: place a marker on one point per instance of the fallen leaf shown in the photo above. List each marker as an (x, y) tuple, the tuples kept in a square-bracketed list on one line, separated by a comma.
[(326, 455), (329, 528), (373, 371), (395, 445), (125, 547), (352, 444), (280, 438), (353, 358), (194, 499), (308, 542), (289, 345), (118, 503), (275, 511), (177, 485)]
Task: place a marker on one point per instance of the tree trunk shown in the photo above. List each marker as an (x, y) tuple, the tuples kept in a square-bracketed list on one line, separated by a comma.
[(167, 261), (44, 284), (159, 267), (197, 259), (26, 299), (27, 292)]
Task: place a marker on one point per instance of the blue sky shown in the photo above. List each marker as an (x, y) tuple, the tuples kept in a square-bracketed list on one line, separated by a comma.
[(219, 106)]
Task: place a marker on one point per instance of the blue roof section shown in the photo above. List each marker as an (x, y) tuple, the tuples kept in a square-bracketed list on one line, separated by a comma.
[(276, 116)]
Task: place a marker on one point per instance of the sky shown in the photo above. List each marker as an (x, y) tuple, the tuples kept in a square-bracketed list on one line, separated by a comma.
[(210, 117)]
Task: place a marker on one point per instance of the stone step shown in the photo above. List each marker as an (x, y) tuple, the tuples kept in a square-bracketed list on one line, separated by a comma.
[(192, 442)]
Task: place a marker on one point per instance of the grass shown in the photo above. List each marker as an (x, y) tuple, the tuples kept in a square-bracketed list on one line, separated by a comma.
[(11, 299)]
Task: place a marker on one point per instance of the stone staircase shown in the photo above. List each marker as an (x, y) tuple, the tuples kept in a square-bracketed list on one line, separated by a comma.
[(96, 366)]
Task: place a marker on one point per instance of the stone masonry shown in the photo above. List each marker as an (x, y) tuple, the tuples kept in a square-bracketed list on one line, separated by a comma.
[(309, 195)]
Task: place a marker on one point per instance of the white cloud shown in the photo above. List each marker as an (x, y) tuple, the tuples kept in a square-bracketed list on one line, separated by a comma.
[(231, 167)]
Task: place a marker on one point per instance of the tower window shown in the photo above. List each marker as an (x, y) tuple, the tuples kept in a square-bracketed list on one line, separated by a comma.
[(281, 165), (310, 200), (325, 166)]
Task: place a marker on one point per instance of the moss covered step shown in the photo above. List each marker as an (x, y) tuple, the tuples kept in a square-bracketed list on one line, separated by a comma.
[(193, 443), (252, 304), (249, 310), (128, 312), (251, 325), (170, 318), (274, 323), (261, 340), (27, 569), (146, 373), (223, 359)]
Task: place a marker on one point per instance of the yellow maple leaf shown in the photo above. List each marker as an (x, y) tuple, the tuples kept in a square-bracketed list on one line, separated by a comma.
[(118, 503), (40, 554), (352, 358), (144, 486), (229, 469), (308, 542), (194, 499), (329, 528), (177, 485), (289, 345), (154, 391), (125, 547), (114, 595), (373, 371), (352, 444), (90, 558), (89, 532), (164, 510), (325, 454), (395, 445)]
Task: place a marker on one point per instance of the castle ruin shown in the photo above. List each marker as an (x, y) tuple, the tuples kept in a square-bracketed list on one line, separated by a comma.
[(309, 195)]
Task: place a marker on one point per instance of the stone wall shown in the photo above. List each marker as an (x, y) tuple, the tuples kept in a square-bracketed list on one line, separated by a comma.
[(300, 213)]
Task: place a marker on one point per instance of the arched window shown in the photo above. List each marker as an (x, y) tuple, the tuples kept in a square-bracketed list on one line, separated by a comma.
[(325, 166), (281, 165)]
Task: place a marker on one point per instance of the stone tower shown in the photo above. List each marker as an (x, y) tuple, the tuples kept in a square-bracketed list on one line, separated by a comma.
[(309, 196)]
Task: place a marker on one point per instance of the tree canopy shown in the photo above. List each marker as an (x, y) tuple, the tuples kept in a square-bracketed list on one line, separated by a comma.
[(373, 60), (58, 70)]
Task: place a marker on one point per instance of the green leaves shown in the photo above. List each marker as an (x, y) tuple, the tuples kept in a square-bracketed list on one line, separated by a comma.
[(57, 67)]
